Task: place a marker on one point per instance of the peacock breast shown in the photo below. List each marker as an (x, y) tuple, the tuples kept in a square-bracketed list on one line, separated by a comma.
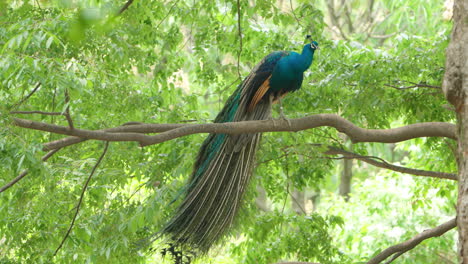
[(286, 81)]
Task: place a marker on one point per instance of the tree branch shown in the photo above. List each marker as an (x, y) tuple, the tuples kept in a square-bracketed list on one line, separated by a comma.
[(295, 262), (27, 96), (167, 15), (413, 242), (294, 14), (67, 110), (172, 131), (135, 127), (35, 112), (384, 164), (125, 7), (239, 29), (334, 19), (417, 85), (81, 198), (25, 172)]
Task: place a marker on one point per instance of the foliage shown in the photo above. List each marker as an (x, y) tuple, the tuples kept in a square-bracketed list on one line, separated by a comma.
[(176, 61)]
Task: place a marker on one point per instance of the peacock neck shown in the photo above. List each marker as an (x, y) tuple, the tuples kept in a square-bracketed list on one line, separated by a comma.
[(305, 59)]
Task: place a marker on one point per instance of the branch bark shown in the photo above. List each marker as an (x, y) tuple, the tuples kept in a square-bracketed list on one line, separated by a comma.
[(127, 127), (413, 242), (172, 131)]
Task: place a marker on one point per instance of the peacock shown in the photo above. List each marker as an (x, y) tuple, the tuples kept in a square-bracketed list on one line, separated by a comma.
[(225, 162)]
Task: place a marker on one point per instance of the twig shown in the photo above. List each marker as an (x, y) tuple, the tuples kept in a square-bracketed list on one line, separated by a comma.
[(413, 242), (383, 36), (52, 118), (239, 29), (295, 262), (25, 172), (348, 17), (35, 112), (27, 96), (296, 202), (294, 14), (81, 197), (14, 181), (268, 160), (38, 5), (127, 5), (67, 110), (334, 19), (167, 15), (415, 85), (424, 85)]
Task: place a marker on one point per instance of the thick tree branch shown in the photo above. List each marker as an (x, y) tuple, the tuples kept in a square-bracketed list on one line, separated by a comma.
[(413, 242), (127, 127), (81, 198), (355, 133), (378, 162)]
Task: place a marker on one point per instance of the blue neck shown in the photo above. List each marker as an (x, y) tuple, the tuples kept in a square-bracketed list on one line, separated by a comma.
[(305, 60)]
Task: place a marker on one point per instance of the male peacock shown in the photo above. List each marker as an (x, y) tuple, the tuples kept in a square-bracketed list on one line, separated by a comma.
[(225, 162)]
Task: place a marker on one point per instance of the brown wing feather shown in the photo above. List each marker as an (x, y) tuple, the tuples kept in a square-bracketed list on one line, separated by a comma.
[(261, 91)]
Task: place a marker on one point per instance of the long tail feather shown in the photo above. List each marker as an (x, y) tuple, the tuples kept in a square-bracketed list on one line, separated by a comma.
[(218, 183)]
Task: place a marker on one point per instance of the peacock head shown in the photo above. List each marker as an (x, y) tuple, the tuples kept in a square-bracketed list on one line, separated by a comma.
[(313, 44)]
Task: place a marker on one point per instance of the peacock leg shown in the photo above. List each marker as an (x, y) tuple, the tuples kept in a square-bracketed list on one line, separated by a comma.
[(282, 113), (281, 108), (272, 101)]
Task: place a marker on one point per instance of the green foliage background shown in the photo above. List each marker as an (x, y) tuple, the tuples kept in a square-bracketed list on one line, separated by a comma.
[(176, 61)]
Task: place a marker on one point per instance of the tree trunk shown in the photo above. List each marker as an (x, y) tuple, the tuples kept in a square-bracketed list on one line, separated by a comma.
[(455, 87), (261, 200), (345, 181), (298, 201)]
